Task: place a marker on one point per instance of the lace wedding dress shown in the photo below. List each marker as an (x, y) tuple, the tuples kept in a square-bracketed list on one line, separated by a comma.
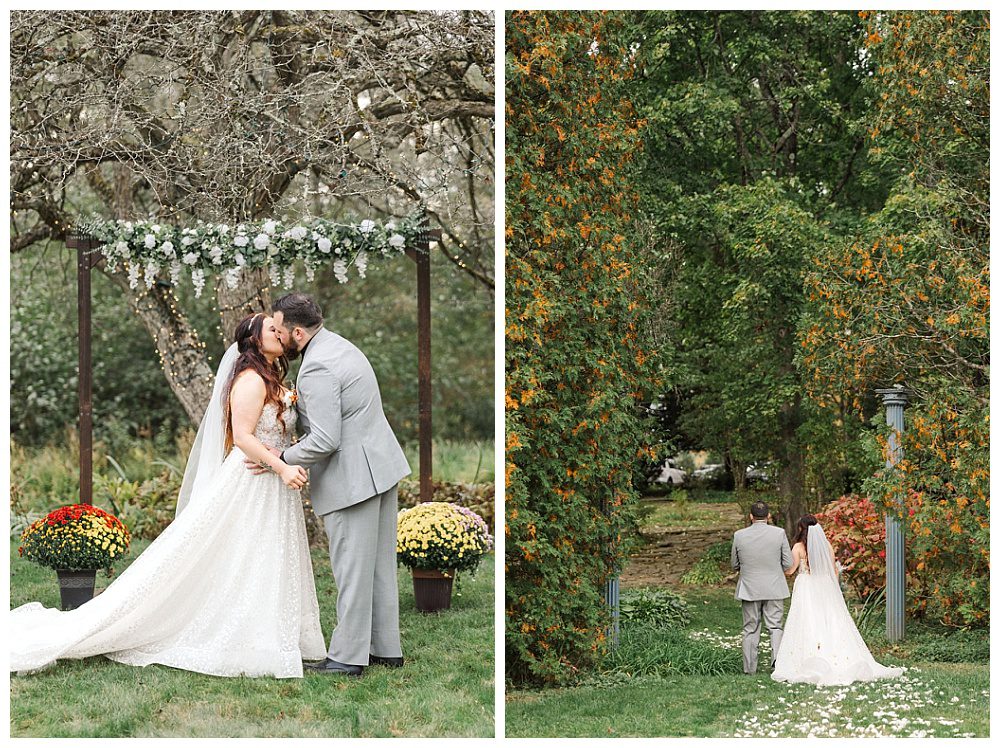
[(821, 644), (227, 589)]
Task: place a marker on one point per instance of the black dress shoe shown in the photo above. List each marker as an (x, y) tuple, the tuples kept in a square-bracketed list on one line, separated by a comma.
[(332, 667), (385, 661)]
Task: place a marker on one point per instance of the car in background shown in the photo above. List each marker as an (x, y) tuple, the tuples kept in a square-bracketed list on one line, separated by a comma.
[(672, 476), (710, 472), (760, 472)]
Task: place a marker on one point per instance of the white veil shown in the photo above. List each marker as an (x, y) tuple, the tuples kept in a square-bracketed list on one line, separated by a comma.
[(208, 450), (821, 559)]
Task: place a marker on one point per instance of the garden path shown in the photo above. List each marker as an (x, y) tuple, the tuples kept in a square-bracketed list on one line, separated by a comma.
[(672, 547)]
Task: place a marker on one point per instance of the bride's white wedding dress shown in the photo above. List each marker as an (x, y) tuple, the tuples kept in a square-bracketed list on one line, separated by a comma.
[(227, 589), (821, 643)]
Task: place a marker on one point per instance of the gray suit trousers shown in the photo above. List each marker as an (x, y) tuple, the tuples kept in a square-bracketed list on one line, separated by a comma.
[(771, 611), (363, 557)]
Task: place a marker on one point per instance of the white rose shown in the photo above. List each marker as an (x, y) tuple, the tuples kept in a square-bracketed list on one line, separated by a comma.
[(240, 259), (298, 233), (367, 226), (390, 226), (241, 241), (190, 258), (150, 241), (269, 227), (261, 241), (167, 248), (223, 229), (187, 241), (122, 248), (324, 245), (156, 228), (397, 241)]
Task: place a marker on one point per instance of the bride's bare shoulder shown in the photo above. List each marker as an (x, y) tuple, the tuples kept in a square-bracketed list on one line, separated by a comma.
[(249, 382)]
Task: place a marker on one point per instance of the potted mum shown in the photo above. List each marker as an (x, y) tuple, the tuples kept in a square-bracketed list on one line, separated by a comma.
[(435, 540), (75, 540)]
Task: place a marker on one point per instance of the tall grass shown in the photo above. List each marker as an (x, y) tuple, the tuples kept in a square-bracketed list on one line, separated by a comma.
[(457, 461), (648, 650), (43, 478)]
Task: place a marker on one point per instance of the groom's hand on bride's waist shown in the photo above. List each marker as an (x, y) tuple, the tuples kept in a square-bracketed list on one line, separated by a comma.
[(259, 468)]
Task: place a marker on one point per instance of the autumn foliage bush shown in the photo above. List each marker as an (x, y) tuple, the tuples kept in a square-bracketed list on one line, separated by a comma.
[(942, 483), (907, 300), (855, 528), (575, 364)]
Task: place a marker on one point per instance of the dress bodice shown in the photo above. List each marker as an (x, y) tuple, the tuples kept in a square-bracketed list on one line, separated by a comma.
[(274, 431)]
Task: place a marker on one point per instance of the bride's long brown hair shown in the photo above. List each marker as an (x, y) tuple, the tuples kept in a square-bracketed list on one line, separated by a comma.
[(248, 344), (802, 536)]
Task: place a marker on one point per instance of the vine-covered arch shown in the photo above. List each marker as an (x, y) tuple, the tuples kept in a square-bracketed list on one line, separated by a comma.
[(147, 249)]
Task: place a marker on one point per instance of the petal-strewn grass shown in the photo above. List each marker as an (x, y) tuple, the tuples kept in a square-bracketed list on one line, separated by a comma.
[(658, 686), (445, 689)]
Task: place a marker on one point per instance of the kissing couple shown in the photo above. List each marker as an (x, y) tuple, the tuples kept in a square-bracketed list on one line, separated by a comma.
[(227, 588)]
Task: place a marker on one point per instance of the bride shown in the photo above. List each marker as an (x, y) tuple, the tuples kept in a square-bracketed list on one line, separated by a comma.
[(821, 644), (227, 588)]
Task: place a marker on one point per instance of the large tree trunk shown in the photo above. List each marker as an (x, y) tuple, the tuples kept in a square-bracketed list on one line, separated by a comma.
[(738, 469), (251, 295), (791, 478), (182, 354)]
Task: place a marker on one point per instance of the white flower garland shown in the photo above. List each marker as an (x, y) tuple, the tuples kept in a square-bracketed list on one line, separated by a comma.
[(146, 248)]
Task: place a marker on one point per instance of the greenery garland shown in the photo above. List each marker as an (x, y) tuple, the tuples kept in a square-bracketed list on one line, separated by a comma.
[(146, 248)]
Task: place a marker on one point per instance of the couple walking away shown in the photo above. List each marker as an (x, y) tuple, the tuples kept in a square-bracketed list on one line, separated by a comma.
[(227, 589), (819, 642)]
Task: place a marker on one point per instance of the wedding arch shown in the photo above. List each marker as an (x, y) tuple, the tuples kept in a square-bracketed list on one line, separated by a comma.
[(145, 249)]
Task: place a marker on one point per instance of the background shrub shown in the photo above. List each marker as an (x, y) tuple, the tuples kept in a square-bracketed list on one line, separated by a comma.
[(712, 567), (657, 608)]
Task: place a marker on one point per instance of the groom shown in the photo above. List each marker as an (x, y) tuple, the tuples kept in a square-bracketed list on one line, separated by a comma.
[(354, 464), (761, 555)]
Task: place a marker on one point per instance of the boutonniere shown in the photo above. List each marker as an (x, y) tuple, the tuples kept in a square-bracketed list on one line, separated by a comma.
[(291, 397)]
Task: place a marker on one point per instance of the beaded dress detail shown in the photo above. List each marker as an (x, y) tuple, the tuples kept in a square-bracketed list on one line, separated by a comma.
[(226, 589)]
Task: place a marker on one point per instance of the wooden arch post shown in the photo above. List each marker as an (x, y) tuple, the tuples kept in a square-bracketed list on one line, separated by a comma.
[(422, 256), (87, 258)]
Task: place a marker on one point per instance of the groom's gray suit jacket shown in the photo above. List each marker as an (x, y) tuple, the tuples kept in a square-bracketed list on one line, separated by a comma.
[(348, 445), (761, 555)]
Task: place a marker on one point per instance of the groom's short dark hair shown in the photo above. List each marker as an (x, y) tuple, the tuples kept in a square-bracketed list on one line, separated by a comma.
[(759, 510), (298, 310)]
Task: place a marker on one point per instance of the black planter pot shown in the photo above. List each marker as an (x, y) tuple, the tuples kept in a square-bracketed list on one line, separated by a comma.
[(432, 589), (76, 586)]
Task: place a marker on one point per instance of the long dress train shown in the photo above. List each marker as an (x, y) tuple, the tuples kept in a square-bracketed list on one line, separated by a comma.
[(227, 589), (821, 643)]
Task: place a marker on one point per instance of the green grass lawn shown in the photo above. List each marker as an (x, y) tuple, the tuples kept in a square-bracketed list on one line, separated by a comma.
[(932, 699), (445, 689), (659, 515)]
